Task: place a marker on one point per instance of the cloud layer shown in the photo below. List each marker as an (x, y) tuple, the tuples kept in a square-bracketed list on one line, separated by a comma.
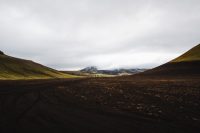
[(66, 34)]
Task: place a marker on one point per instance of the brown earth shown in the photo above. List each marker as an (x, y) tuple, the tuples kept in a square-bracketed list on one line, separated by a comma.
[(101, 105)]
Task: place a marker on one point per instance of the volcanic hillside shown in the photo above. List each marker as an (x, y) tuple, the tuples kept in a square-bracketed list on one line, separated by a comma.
[(187, 64), (14, 68)]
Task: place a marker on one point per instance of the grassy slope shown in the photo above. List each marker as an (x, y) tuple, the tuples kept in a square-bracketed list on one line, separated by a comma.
[(191, 55), (14, 68), (187, 64)]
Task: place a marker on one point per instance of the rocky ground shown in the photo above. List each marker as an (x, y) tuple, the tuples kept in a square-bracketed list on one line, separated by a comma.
[(124, 105)]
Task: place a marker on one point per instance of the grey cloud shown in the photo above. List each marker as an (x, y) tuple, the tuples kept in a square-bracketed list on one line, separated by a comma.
[(67, 34)]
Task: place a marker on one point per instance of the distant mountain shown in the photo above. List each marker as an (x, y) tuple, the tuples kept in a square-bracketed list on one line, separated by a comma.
[(187, 64), (15, 68), (91, 69), (94, 70), (122, 71)]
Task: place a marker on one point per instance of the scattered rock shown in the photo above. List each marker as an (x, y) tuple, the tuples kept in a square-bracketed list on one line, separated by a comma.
[(194, 119), (181, 107), (150, 113), (84, 98), (121, 91), (139, 108), (157, 95), (119, 102)]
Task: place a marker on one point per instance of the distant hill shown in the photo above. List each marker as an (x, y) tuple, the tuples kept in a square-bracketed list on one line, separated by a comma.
[(191, 55), (187, 64), (15, 68), (114, 72)]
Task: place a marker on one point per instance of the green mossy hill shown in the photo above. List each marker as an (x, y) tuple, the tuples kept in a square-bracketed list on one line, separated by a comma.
[(191, 55), (14, 68)]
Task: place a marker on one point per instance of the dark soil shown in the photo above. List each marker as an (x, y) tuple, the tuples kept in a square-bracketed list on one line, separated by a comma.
[(101, 105), (176, 69)]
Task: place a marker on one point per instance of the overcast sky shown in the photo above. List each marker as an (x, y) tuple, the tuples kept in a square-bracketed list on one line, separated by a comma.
[(72, 34)]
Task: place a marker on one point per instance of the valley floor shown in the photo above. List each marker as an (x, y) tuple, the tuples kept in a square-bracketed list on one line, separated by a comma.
[(101, 105)]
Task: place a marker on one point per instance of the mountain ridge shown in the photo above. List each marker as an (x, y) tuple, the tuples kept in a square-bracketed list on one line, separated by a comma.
[(120, 71), (16, 68)]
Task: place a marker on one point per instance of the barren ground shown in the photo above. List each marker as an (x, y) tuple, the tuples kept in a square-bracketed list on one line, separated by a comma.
[(101, 105)]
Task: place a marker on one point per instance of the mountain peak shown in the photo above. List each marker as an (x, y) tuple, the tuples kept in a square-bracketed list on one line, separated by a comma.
[(91, 69)]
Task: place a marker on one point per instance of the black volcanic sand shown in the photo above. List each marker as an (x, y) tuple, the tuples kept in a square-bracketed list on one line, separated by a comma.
[(101, 105)]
